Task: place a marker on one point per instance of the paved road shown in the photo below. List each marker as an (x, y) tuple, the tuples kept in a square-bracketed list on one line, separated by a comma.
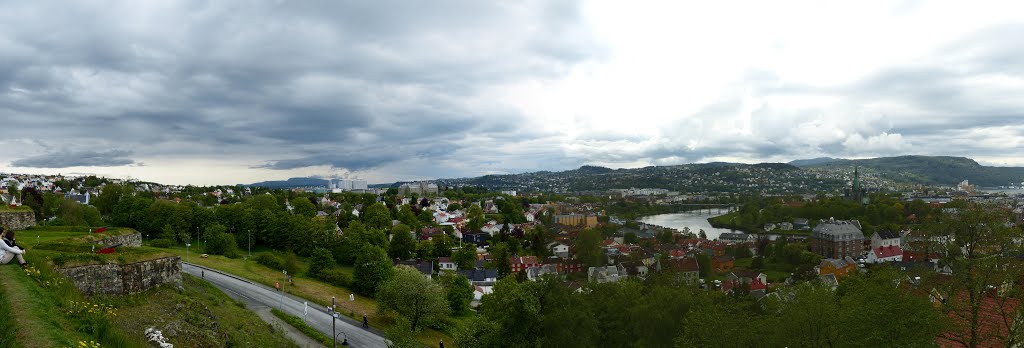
[(258, 297)]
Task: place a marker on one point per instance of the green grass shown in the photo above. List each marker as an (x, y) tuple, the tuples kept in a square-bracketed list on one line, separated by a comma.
[(297, 323), (40, 303), (307, 288), (199, 316), (8, 331)]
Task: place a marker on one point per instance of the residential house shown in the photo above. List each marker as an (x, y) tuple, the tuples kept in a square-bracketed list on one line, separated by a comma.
[(838, 267), (885, 238), (522, 263), (885, 254), (446, 264), (737, 237), (559, 249), (478, 238), (536, 272), (484, 277), (425, 267), (786, 226), (801, 224), (722, 263), (687, 268), (755, 282), (636, 269), (606, 274)]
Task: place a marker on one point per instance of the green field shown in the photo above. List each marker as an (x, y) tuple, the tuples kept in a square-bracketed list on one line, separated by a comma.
[(41, 309), (305, 287)]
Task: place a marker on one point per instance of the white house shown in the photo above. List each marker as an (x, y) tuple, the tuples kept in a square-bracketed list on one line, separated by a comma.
[(559, 249), (446, 264), (885, 238), (885, 254)]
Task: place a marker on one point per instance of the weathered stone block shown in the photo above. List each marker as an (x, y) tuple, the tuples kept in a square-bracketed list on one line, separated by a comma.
[(126, 279), (132, 240), (17, 220)]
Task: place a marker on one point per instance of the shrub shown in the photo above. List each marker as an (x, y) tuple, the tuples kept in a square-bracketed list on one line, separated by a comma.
[(221, 243), (321, 260), (161, 243), (269, 260), (336, 277)]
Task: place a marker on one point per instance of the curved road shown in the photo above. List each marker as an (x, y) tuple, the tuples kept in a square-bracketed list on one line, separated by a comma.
[(261, 298)]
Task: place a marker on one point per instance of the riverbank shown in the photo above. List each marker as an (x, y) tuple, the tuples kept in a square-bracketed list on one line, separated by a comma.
[(725, 221)]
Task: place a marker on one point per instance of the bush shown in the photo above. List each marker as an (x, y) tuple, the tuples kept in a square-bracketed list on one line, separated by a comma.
[(162, 243), (221, 243), (272, 261), (269, 260), (336, 277), (321, 260)]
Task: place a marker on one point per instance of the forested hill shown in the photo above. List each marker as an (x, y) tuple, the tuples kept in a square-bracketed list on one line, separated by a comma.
[(932, 170), (706, 177)]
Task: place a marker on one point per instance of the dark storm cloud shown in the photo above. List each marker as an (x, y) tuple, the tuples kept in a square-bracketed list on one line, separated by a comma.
[(313, 83), (64, 159)]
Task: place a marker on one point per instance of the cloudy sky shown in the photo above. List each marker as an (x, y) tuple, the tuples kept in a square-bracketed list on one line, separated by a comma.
[(227, 92)]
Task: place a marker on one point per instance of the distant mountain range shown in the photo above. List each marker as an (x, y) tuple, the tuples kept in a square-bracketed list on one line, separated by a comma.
[(930, 170), (799, 176)]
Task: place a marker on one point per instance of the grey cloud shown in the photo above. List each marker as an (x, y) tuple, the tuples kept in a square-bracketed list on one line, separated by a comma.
[(301, 81), (65, 159)]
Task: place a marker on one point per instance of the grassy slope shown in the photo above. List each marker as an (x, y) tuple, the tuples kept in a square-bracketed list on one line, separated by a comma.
[(200, 316), (202, 312), (307, 288), (36, 313), (9, 331)]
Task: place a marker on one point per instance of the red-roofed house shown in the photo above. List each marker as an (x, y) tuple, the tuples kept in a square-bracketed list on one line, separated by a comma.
[(521, 264), (885, 254)]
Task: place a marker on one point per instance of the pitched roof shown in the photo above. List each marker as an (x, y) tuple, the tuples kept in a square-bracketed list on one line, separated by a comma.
[(888, 234), (888, 251)]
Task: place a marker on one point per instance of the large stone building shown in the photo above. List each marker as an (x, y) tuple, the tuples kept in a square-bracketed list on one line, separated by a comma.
[(837, 239)]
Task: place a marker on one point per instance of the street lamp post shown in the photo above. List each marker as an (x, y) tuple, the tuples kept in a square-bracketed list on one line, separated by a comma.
[(250, 243), (187, 246), (285, 280)]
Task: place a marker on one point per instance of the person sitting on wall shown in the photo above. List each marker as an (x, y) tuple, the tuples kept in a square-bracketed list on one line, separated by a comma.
[(9, 250)]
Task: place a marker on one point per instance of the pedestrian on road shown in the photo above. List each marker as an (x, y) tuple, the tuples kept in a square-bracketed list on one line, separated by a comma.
[(203, 273), (441, 345), (366, 323), (277, 286)]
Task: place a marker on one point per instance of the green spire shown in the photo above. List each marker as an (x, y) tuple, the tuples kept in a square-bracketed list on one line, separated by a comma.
[(856, 180)]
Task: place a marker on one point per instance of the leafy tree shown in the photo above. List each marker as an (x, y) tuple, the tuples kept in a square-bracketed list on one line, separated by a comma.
[(466, 256), (458, 291), (442, 246), (757, 263), (877, 294), (320, 260), (372, 268), (500, 256), (704, 264), (588, 248), (516, 312), (476, 218), (413, 296), (539, 238), (219, 241), (303, 207), (402, 244), (400, 335), (378, 216)]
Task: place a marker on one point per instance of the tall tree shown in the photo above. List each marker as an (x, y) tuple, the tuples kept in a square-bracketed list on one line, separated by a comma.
[(588, 248), (466, 256), (378, 216), (372, 268), (402, 244), (413, 296), (458, 291)]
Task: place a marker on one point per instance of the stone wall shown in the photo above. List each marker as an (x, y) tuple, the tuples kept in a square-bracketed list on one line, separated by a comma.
[(127, 279), (17, 220), (126, 240)]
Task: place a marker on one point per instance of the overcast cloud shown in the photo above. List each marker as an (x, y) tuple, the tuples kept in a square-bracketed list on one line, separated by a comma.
[(236, 92)]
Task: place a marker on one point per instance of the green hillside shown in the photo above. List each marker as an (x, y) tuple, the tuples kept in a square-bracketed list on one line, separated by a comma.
[(940, 170)]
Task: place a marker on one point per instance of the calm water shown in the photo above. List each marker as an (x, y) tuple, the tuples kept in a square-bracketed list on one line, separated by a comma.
[(678, 221)]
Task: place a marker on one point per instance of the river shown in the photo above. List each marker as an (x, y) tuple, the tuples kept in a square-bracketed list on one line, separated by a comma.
[(695, 222)]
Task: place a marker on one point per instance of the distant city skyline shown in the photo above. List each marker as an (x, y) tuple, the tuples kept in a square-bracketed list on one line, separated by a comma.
[(233, 92)]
